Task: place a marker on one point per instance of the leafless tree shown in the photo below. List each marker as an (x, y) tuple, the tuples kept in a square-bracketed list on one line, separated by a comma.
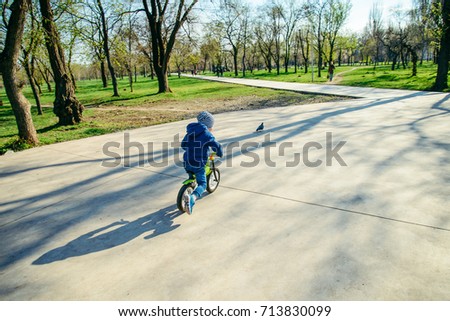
[(165, 20), (231, 18)]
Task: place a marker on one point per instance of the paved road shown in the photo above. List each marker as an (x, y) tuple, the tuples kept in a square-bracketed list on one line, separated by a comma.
[(373, 224)]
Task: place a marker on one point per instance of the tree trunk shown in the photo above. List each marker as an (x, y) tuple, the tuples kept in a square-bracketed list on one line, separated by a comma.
[(441, 82), (319, 60), (8, 67), (163, 80), (45, 75), (161, 45), (33, 85), (243, 64), (69, 64), (152, 71), (235, 61), (415, 58), (103, 74), (106, 49), (394, 62), (130, 77), (295, 63), (66, 106)]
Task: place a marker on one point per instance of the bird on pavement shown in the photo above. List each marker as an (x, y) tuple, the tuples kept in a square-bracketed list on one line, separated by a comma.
[(260, 127)]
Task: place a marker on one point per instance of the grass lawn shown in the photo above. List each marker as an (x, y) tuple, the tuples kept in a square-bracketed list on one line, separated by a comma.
[(357, 75), (383, 77)]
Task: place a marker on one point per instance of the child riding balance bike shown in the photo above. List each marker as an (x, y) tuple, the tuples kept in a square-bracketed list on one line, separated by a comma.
[(198, 162)]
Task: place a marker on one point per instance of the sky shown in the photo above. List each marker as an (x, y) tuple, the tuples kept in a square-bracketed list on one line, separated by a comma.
[(359, 15)]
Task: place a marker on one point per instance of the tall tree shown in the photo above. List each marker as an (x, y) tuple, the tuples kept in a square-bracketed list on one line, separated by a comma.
[(232, 19), (375, 28), (66, 106), (106, 49), (209, 49), (274, 13), (303, 37), (8, 67), (315, 10), (29, 51), (336, 13), (421, 15), (165, 20), (291, 15), (245, 39), (90, 30), (264, 39), (441, 82)]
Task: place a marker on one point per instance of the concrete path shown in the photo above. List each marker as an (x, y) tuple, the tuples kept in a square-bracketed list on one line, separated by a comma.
[(373, 224)]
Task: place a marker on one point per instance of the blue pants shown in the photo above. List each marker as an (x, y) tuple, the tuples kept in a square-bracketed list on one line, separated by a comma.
[(200, 176)]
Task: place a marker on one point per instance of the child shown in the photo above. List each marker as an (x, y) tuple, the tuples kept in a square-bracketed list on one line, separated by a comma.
[(196, 143)]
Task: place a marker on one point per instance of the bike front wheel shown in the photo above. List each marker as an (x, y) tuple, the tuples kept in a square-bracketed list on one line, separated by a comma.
[(213, 180), (185, 189)]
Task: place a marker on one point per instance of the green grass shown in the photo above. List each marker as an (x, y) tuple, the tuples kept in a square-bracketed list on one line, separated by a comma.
[(362, 76), (290, 76), (91, 93), (383, 77)]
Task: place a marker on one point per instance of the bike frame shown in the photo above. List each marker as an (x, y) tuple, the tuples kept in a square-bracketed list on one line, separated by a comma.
[(209, 167)]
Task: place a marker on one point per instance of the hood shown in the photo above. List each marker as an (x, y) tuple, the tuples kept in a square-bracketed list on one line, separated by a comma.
[(196, 129)]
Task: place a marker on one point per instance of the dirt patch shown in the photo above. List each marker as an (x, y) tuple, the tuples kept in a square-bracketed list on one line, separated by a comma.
[(168, 111)]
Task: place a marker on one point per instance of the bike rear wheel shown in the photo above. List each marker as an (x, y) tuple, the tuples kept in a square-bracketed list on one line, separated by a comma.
[(185, 189), (213, 180)]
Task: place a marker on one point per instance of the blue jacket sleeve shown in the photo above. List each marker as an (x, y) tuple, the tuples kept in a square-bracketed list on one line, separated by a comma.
[(217, 148)]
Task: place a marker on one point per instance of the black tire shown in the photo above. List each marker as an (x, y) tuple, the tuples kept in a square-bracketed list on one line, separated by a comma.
[(180, 203), (212, 181)]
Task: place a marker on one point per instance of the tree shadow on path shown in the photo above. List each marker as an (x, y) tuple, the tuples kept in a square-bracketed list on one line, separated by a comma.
[(114, 234)]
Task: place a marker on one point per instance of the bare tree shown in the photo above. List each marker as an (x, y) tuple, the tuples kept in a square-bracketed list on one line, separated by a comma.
[(129, 39), (231, 18), (8, 67), (90, 31), (291, 15), (276, 22), (304, 40), (421, 16), (145, 46), (165, 20), (106, 49), (336, 13), (315, 10), (245, 39), (375, 28), (209, 49), (265, 40)]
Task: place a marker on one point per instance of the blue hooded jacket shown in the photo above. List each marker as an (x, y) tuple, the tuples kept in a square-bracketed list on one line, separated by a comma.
[(196, 144)]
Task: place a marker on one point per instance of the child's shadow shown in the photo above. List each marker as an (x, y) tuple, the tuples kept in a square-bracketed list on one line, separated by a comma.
[(111, 236)]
